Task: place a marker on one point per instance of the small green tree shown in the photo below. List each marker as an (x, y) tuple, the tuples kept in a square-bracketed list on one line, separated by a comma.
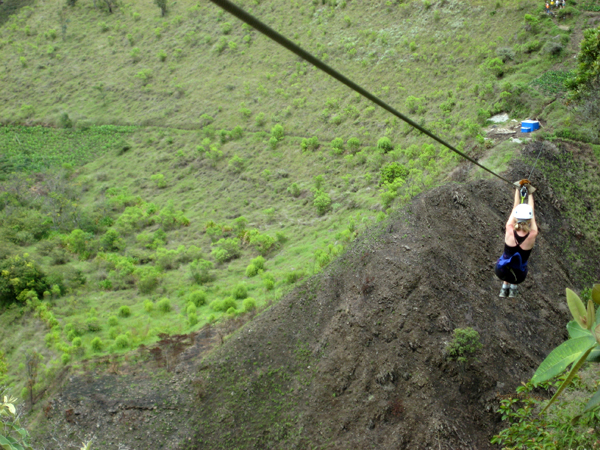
[(162, 4), (464, 346)]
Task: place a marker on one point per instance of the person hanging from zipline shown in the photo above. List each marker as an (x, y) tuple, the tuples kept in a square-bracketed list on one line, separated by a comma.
[(519, 239)]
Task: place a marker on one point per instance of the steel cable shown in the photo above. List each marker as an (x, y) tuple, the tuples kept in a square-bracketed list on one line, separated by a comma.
[(283, 41)]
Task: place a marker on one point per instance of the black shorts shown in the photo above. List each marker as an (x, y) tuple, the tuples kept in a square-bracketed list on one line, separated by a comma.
[(510, 275)]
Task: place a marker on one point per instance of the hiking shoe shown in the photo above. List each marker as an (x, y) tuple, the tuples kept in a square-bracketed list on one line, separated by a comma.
[(504, 292), (513, 292)]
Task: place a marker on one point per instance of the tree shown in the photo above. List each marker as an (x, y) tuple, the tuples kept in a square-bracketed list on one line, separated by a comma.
[(162, 4), (32, 363)]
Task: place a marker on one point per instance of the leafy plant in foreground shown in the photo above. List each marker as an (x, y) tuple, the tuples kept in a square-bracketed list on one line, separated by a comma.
[(582, 346), (13, 437)]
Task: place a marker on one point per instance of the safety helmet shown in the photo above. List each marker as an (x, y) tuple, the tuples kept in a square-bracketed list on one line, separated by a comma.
[(523, 212)]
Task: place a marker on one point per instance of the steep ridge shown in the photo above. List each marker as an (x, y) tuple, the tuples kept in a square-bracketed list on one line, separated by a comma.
[(354, 357), (365, 342)]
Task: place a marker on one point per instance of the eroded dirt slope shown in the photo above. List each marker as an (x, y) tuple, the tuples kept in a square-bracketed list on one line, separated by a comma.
[(354, 358)]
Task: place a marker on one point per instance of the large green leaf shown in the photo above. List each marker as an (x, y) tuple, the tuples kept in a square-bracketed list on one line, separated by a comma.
[(563, 355), (594, 401), (577, 308), (9, 443), (596, 294), (576, 331), (594, 355), (569, 378), (591, 314)]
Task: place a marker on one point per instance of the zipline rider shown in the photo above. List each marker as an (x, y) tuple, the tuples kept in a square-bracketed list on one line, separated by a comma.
[(519, 239)]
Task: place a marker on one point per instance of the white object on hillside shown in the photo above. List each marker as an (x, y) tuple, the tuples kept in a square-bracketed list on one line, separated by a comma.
[(499, 118)]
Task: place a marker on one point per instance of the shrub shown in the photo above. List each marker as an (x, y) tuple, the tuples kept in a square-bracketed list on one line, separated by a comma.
[(259, 262), (226, 250), (198, 298), (251, 270), (273, 142), (223, 305), (18, 275), (148, 279), (159, 179), (249, 304), (192, 319), (263, 243), (292, 277), (167, 259), (65, 358), (338, 146), (111, 241), (269, 284), (93, 324), (76, 342), (495, 66), (236, 164), (294, 190), (200, 271), (97, 344), (191, 309), (124, 311), (384, 144), (464, 345), (532, 46), (148, 305), (310, 144), (122, 341), (113, 321), (237, 132), (413, 103), (552, 48), (240, 291), (353, 145), (113, 332), (322, 201), (506, 53), (260, 119), (277, 132), (231, 311), (392, 171), (162, 55), (164, 305)]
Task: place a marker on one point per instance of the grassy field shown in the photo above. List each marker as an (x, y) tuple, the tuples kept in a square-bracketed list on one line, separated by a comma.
[(149, 163)]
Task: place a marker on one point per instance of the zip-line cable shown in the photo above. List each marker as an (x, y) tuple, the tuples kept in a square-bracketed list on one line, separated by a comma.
[(283, 41), (536, 160)]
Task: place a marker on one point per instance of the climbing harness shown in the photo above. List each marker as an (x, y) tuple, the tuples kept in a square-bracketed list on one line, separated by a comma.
[(283, 41)]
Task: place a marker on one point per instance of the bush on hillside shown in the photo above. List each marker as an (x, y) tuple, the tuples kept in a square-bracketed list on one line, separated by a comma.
[(226, 250), (322, 201), (198, 298), (384, 144), (122, 342), (124, 311), (392, 171), (240, 291), (164, 305), (20, 274), (294, 190), (97, 344), (200, 271)]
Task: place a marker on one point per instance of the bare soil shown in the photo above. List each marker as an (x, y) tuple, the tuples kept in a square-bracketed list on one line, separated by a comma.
[(355, 357)]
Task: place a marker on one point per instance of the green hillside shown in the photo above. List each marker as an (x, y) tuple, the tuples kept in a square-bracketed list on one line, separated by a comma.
[(164, 172)]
